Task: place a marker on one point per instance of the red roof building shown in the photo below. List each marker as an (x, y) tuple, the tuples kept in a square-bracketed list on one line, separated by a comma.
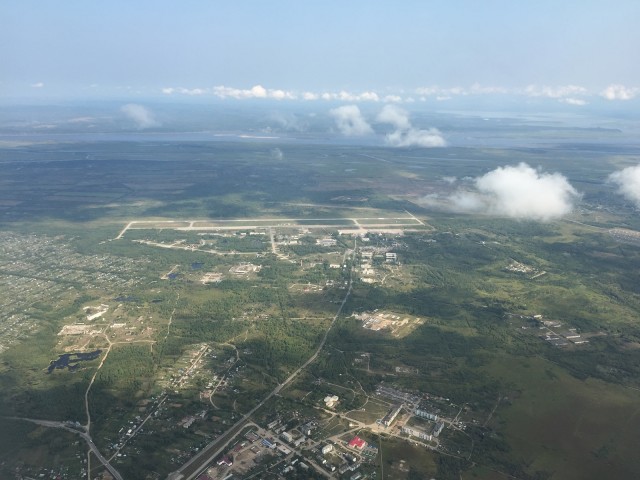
[(358, 443)]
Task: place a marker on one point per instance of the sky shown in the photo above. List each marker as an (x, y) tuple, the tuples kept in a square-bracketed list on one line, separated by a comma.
[(570, 51)]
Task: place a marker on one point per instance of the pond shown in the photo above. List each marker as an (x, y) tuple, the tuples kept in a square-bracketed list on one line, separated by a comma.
[(72, 360)]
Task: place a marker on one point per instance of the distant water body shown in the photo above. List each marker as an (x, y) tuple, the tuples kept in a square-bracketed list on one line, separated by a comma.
[(492, 134)]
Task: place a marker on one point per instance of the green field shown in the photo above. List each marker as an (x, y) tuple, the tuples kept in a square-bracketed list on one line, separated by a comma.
[(569, 427)]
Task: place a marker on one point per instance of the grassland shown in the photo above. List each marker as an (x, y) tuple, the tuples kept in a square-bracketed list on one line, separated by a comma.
[(573, 428)]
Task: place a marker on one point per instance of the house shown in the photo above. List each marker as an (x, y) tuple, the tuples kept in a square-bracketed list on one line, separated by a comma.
[(326, 449), (225, 460)]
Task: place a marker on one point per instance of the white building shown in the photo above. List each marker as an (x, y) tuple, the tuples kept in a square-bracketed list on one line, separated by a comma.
[(417, 432), (331, 400)]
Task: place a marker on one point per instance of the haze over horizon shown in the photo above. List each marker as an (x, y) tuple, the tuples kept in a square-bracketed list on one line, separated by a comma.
[(572, 52)]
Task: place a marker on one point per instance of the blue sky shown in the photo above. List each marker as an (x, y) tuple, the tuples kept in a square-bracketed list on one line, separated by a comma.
[(568, 51)]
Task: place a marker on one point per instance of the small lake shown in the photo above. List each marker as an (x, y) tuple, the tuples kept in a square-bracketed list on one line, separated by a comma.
[(72, 361)]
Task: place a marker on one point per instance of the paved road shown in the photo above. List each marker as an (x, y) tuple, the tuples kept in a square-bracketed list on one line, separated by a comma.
[(86, 436), (193, 467)]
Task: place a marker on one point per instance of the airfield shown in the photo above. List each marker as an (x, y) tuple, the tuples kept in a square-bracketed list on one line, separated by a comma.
[(353, 226)]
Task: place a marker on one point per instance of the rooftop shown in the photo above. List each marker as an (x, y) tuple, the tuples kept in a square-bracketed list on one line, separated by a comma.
[(357, 442)]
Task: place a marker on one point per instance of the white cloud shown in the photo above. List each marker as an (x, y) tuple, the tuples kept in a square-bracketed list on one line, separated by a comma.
[(184, 91), (393, 99), (281, 95), (289, 121), (555, 92), (441, 93), (559, 92), (435, 91), (518, 192), (477, 89), (416, 138), (350, 121), (619, 92), (570, 94), (142, 116), (37, 85), (574, 101), (369, 97), (257, 91), (345, 96), (396, 116), (193, 91), (628, 180), (465, 201), (404, 134)]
